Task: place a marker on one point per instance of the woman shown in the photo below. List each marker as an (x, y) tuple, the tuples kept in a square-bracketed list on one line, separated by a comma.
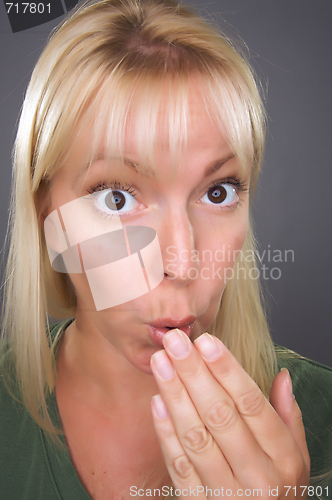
[(139, 144)]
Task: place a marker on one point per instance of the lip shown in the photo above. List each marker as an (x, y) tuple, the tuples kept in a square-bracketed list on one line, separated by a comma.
[(161, 326)]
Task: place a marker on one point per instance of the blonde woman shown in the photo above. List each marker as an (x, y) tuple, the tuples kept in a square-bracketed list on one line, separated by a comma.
[(137, 153)]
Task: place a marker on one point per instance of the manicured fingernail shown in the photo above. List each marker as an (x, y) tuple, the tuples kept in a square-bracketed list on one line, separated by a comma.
[(208, 347), (177, 343), (289, 383), (159, 406), (163, 365)]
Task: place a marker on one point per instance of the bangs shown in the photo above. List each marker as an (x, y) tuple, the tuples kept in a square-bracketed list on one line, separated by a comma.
[(155, 112), (128, 73)]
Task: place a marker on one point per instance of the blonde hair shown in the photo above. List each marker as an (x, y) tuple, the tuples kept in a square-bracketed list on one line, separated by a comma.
[(107, 60)]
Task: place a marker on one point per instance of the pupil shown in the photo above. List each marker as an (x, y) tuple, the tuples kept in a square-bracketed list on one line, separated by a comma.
[(115, 200), (217, 195)]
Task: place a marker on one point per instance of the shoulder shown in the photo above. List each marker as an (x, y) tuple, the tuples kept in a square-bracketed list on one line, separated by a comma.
[(21, 454), (312, 381), (312, 387), (296, 362), (10, 396), (24, 450)]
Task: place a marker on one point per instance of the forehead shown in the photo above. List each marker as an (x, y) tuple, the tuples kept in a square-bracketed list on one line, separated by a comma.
[(164, 147), (167, 123), (169, 119), (193, 128)]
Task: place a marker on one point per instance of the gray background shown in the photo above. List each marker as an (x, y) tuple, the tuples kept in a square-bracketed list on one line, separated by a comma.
[(290, 43)]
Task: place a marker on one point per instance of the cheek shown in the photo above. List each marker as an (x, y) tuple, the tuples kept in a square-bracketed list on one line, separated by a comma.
[(238, 239), (226, 242), (216, 269), (219, 252)]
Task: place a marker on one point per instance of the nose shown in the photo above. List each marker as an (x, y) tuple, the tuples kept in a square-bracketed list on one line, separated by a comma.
[(180, 257)]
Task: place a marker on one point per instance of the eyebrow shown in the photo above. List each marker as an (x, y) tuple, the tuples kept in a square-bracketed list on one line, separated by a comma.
[(146, 171), (217, 164), (211, 168), (128, 163)]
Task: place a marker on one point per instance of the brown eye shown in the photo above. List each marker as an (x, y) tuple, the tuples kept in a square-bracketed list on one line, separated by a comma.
[(217, 194), (115, 200), (223, 194), (110, 201)]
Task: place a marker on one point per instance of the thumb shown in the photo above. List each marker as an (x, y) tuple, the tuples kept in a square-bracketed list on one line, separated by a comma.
[(283, 401)]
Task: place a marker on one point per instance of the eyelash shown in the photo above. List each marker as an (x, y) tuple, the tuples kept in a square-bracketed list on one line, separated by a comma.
[(240, 186), (114, 185)]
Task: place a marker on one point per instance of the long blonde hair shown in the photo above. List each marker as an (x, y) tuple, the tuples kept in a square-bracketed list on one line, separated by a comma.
[(107, 58)]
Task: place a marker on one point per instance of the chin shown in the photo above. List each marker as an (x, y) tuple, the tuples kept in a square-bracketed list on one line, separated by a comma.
[(141, 361)]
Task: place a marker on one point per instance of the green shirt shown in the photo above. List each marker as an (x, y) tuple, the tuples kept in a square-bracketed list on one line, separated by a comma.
[(31, 468)]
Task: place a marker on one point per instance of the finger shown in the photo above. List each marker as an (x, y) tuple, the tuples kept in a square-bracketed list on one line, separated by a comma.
[(284, 402), (195, 439), (180, 468), (215, 407), (255, 410)]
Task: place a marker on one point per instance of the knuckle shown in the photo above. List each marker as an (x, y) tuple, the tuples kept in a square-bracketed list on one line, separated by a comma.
[(164, 431), (222, 415), (178, 393), (193, 370), (252, 403), (226, 368), (182, 467), (197, 439), (293, 470)]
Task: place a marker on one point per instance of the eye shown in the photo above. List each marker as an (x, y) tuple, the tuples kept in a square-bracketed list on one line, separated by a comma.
[(111, 200), (223, 194)]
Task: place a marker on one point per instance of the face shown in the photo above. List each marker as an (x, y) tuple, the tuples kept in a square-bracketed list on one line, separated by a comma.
[(199, 212)]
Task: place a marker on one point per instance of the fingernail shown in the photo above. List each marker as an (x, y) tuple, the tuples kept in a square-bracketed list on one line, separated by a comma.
[(208, 347), (177, 343), (163, 365), (289, 383), (159, 407)]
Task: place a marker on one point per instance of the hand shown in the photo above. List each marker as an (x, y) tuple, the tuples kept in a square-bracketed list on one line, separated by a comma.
[(219, 435)]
